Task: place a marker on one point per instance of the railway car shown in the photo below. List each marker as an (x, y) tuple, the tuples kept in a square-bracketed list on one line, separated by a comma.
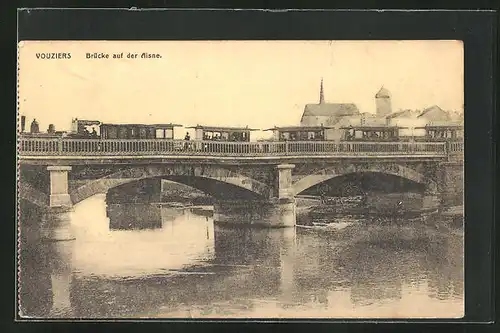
[(219, 139), (95, 129), (330, 133), (371, 133), (441, 131), (222, 134), (138, 131), (302, 133)]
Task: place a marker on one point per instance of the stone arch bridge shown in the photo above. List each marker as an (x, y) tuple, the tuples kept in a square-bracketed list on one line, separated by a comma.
[(54, 182), (256, 180)]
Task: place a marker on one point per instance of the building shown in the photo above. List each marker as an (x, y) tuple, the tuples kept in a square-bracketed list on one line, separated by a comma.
[(409, 120), (435, 113), (334, 118), (326, 114), (402, 114), (383, 102)]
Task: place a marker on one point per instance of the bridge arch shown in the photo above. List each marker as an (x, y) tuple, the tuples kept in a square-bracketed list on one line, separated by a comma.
[(32, 195), (342, 170), (176, 172)]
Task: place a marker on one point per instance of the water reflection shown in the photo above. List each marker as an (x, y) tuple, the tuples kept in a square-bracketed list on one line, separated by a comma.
[(153, 261), (134, 216)]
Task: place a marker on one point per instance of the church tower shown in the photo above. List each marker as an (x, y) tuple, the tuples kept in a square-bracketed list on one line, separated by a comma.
[(383, 102)]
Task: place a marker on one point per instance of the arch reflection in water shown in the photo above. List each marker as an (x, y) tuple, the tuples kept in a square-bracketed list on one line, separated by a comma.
[(100, 250), (134, 216), (191, 268)]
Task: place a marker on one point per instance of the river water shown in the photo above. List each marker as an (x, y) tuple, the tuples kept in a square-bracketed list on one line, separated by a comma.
[(142, 261)]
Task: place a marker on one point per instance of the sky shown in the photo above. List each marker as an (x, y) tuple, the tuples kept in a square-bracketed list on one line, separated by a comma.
[(231, 83)]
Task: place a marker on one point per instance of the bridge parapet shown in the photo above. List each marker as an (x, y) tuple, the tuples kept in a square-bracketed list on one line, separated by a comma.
[(456, 147), (98, 147)]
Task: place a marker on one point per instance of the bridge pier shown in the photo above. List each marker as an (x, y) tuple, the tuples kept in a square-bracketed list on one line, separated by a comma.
[(276, 212), (59, 194), (284, 179), (451, 183), (56, 224), (431, 198)]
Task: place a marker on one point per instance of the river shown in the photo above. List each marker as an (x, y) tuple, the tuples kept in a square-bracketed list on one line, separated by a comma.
[(143, 261)]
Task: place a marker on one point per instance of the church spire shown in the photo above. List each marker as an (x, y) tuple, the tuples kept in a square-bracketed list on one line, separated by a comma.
[(321, 93)]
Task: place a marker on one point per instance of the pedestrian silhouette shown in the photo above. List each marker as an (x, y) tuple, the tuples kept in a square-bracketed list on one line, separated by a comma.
[(34, 126)]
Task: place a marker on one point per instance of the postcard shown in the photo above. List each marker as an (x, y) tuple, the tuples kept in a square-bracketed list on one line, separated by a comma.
[(241, 179)]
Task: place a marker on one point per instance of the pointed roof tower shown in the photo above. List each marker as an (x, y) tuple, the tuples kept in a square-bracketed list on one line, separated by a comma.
[(323, 109), (321, 93), (383, 93)]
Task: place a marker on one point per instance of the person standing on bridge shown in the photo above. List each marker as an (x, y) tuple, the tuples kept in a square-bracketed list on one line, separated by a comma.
[(187, 138), (34, 126)]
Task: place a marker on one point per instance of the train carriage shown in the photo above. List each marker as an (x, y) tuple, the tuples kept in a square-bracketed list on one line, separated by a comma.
[(224, 134), (302, 133), (95, 129), (297, 139), (220, 139), (443, 131), (138, 131), (372, 133)]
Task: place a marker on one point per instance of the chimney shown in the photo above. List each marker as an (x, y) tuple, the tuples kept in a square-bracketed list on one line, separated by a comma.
[(23, 123), (321, 93)]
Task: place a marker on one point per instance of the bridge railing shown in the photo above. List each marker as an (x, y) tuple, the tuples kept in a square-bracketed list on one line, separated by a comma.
[(456, 147), (97, 147)]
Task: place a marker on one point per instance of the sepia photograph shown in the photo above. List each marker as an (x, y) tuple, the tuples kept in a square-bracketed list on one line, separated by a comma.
[(240, 179)]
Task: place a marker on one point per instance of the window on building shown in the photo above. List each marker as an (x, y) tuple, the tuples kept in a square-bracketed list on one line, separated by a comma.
[(300, 136), (160, 133), (207, 135), (123, 133)]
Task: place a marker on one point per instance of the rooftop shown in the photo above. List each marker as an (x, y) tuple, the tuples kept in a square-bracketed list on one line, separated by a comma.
[(372, 128), (443, 125), (382, 93), (330, 109), (432, 108), (169, 125), (298, 128), (404, 113), (223, 128)]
